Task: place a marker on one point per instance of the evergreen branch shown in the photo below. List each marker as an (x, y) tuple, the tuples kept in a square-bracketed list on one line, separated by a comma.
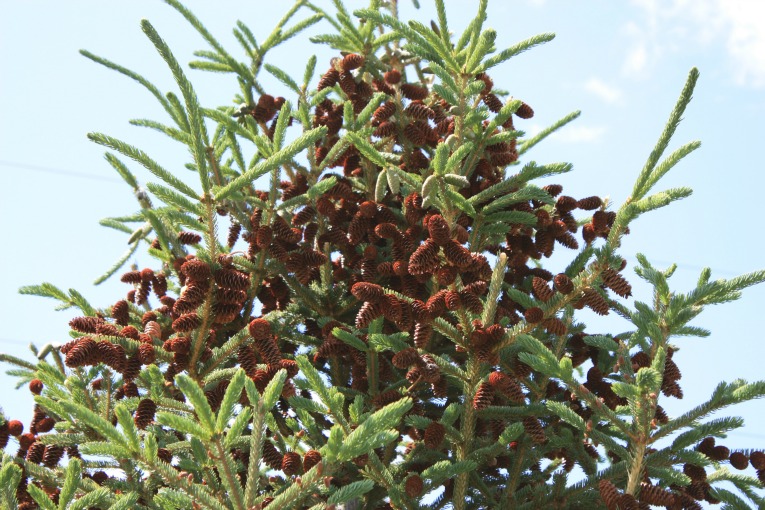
[(180, 113), (240, 423), (118, 165), (711, 428), (446, 469), (243, 29), (532, 170), (495, 286), (375, 431), (7, 358), (282, 77), (210, 55), (175, 134), (727, 290), (336, 41), (198, 130), (256, 443), (434, 44), (308, 405), (126, 501), (224, 118), (198, 400), (233, 144), (512, 218), (500, 189), (172, 498), (10, 476), (142, 158), (223, 353), (275, 161), (526, 193), (347, 29), (632, 209), (140, 79), (317, 385), (404, 30), (296, 28), (366, 113), (182, 424), (670, 161), (725, 394), (84, 417), (72, 480), (45, 289), (199, 493), (484, 47), (230, 398), (296, 492), (116, 225), (273, 390), (646, 178), (282, 122), (335, 152), (80, 302), (366, 149), (658, 200), (230, 480), (446, 92), (514, 50), (41, 498), (160, 229), (174, 199), (351, 491), (734, 502), (525, 145), (221, 52), (125, 419), (98, 497), (464, 39), (474, 29), (443, 26)]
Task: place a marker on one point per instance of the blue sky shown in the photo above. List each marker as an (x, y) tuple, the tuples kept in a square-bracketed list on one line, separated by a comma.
[(621, 63)]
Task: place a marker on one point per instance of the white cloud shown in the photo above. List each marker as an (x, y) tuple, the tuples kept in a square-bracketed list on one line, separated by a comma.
[(637, 56), (606, 92), (572, 133), (746, 39), (736, 25), (579, 134), (636, 60)]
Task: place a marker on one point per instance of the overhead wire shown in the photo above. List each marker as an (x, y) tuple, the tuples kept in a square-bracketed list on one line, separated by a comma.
[(58, 171)]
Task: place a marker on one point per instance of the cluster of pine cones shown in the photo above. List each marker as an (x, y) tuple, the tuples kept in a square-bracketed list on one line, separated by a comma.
[(408, 270)]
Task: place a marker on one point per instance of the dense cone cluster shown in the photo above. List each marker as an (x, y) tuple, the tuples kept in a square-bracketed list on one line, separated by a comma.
[(388, 283), (407, 269)]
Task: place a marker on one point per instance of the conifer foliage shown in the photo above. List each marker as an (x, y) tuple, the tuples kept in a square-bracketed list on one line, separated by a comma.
[(377, 328)]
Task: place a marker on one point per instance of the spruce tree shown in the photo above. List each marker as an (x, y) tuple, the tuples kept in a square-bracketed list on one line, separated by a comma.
[(377, 328)]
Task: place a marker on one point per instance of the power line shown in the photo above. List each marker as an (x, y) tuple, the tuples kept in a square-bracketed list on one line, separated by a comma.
[(58, 171), (83, 175), (14, 341)]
